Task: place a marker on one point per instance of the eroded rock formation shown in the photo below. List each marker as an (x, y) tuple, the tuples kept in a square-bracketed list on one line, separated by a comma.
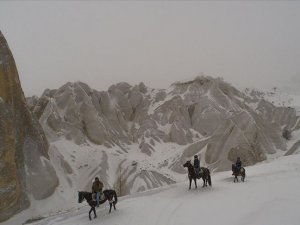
[(24, 162)]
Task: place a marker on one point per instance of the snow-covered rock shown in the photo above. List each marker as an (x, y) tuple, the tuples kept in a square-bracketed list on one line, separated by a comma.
[(159, 130)]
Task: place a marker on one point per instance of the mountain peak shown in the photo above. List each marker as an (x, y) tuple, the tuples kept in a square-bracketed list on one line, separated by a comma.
[(201, 79)]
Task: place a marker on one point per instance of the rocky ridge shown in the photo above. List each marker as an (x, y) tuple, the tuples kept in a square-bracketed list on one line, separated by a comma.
[(157, 130), (25, 170)]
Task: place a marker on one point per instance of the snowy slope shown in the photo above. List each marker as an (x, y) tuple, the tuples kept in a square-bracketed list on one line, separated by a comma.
[(269, 196), (276, 96)]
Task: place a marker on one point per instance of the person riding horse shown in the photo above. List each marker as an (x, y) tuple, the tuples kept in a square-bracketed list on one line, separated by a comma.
[(238, 170), (197, 165), (205, 175), (238, 164), (97, 189)]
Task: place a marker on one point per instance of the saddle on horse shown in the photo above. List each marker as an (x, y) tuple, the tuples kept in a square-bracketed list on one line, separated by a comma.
[(198, 172)]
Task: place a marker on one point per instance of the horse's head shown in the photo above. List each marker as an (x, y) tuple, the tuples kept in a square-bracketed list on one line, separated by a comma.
[(80, 196), (187, 164), (109, 197)]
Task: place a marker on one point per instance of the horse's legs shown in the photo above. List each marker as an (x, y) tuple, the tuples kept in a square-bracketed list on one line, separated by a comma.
[(110, 205), (114, 204), (236, 178), (95, 215), (204, 178), (195, 180), (243, 177), (204, 182), (190, 183), (90, 213)]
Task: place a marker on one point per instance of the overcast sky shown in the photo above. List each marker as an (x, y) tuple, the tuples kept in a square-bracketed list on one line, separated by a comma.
[(254, 44)]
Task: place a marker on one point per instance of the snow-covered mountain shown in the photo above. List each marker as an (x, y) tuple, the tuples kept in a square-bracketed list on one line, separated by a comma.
[(137, 138), (134, 138), (269, 195)]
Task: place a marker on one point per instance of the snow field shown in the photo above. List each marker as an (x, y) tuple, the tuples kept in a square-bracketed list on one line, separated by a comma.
[(269, 196)]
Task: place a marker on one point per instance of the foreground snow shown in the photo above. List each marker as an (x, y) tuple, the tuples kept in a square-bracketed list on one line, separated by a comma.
[(270, 195)]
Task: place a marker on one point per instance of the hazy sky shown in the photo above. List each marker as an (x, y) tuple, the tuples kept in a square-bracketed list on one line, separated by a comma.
[(254, 44)]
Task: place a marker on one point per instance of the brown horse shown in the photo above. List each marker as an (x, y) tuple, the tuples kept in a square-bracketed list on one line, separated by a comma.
[(205, 175), (238, 172)]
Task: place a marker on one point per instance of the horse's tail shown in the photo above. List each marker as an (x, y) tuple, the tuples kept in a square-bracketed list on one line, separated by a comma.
[(244, 171), (208, 177), (115, 196)]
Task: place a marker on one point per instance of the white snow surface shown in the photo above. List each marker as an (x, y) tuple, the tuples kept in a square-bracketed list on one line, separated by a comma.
[(269, 196)]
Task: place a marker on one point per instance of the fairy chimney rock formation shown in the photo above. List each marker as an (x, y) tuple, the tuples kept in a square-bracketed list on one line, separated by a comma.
[(24, 161)]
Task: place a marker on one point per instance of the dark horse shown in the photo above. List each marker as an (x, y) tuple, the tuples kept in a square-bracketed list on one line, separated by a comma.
[(205, 175), (236, 172), (109, 195)]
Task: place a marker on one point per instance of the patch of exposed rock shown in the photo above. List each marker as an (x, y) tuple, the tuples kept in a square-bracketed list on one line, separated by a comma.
[(24, 163)]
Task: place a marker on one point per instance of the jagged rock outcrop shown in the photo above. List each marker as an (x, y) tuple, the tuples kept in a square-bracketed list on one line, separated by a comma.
[(161, 129), (24, 162)]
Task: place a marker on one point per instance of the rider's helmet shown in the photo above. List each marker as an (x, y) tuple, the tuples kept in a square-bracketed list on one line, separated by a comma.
[(238, 158), (97, 178), (195, 156)]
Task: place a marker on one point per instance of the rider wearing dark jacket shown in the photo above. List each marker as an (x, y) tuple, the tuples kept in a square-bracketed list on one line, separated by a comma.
[(97, 189), (238, 164), (196, 164)]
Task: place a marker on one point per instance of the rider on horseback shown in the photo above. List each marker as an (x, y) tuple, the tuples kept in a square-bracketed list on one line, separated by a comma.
[(97, 189), (238, 164), (197, 165)]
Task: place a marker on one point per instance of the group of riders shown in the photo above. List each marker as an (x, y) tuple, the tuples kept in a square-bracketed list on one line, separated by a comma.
[(98, 185), (235, 167)]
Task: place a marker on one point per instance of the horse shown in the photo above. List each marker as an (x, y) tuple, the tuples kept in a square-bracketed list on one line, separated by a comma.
[(205, 175), (236, 172), (109, 195)]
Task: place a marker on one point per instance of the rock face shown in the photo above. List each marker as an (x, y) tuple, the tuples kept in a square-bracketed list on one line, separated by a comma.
[(158, 130), (24, 162)]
